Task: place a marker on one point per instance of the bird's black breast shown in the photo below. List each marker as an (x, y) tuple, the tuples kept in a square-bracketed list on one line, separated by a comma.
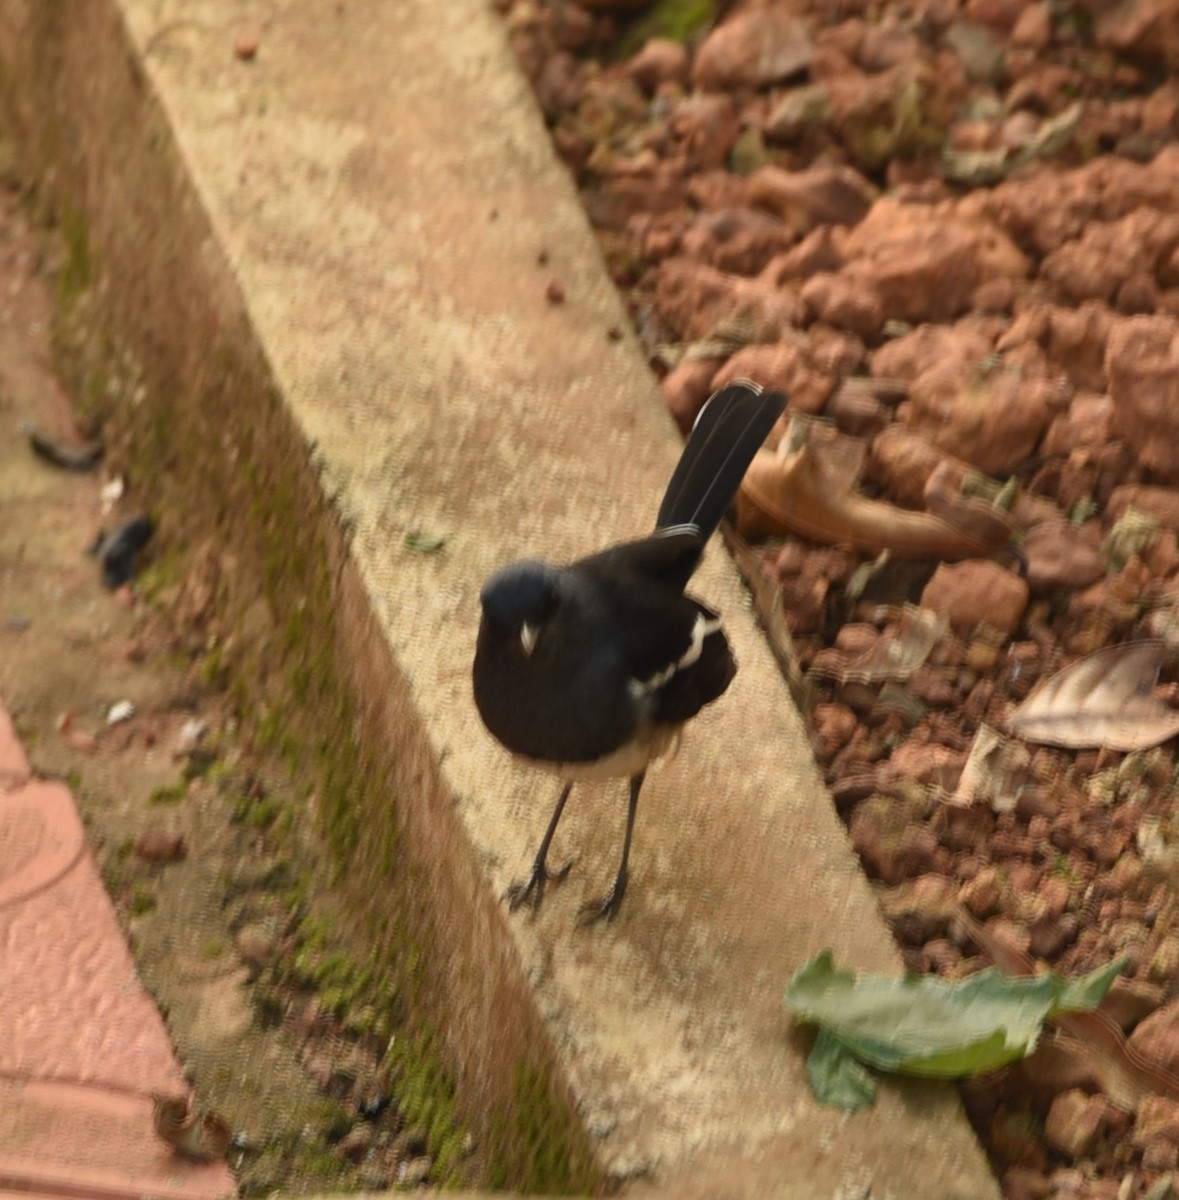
[(619, 655), (567, 702)]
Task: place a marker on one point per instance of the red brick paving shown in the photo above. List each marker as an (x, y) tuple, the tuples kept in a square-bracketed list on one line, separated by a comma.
[(82, 1045)]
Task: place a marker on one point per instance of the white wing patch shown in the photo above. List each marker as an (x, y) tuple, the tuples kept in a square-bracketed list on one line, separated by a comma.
[(701, 629)]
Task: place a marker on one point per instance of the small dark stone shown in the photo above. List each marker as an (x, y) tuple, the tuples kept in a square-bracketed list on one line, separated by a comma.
[(158, 845), (371, 1107), (116, 551)]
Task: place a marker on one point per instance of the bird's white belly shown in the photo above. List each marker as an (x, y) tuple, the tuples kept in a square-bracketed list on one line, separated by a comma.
[(624, 763)]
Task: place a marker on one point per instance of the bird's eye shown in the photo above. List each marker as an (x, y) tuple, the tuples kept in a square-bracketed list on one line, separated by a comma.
[(528, 636)]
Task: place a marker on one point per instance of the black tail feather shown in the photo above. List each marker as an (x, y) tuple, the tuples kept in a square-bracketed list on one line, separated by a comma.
[(728, 432)]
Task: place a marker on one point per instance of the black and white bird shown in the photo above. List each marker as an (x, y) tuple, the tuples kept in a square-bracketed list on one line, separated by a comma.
[(590, 670)]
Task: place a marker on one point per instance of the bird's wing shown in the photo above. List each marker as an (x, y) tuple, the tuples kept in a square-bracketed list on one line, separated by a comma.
[(671, 648), (700, 675)]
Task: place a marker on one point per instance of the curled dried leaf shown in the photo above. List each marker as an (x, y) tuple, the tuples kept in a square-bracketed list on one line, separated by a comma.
[(808, 486), (895, 655), (996, 771)]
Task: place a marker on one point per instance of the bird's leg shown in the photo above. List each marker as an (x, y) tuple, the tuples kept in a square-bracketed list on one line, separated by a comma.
[(606, 908), (534, 887)]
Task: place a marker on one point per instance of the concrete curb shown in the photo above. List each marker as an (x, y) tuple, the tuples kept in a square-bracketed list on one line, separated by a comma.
[(324, 263)]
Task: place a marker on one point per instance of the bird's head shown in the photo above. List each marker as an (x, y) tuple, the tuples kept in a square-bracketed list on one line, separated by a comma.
[(519, 600)]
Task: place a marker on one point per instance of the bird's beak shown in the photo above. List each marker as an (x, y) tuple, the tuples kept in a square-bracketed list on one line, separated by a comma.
[(528, 636)]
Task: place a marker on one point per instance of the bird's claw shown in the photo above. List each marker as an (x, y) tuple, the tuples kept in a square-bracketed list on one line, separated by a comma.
[(532, 891), (604, 909)]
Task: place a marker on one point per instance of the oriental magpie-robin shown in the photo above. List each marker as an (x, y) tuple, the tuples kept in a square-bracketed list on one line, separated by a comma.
[(591, 670)]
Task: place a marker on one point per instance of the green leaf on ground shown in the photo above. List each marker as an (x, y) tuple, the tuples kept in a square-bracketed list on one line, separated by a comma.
[(923, 1025), (1086, 994), (836, 1078), (423, 543)]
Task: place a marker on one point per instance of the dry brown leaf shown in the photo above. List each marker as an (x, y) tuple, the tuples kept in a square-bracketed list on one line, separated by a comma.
[(1054, 1066), (807, 486), (978, 168), (997, 771), (897, 653), (1104, 700), (842, 457), (1134, 533), (1126, 1075), (1156, 844)]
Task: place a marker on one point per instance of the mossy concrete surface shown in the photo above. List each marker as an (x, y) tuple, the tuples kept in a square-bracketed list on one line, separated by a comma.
[(320, 266)]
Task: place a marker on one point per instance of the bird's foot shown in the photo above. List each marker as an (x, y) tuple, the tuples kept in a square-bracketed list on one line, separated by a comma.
[(532, 891), (604, 909)]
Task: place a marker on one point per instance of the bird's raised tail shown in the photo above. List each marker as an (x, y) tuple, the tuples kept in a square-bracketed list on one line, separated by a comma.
[(728, 432)]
